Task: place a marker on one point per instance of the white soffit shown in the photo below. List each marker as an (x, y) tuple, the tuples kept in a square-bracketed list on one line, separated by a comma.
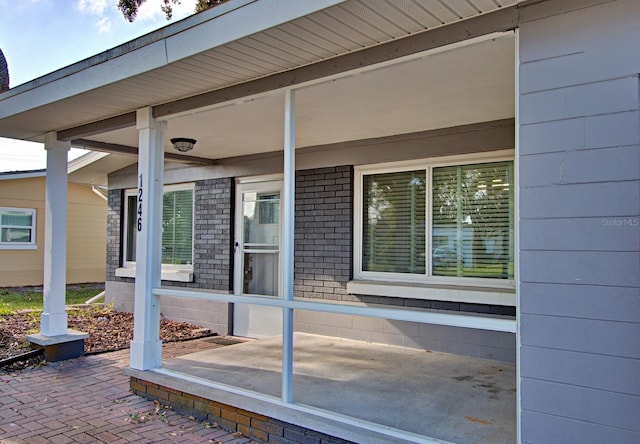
[(466, 84), (98, 166), (173, 72)]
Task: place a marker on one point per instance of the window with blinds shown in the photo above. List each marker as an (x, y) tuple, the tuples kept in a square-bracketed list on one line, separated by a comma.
[(177, 226), (472, 221), (393, 233), (17, 226), (440, 221)]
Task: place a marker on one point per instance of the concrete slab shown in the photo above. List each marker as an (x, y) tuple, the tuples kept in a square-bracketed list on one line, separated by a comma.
[(449, 397)]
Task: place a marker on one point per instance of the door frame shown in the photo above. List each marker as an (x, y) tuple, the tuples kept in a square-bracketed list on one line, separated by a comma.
[(257, 184)]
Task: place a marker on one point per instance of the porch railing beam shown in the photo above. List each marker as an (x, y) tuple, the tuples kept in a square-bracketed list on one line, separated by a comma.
[(480, 322)]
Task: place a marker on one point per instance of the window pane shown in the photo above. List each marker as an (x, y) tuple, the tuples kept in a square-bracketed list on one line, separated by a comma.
[(261, 214), (177, 227), (269, 208), (16, 235), (473, 221), (17, 226), (394, 227), (132, 228), (16, 219)]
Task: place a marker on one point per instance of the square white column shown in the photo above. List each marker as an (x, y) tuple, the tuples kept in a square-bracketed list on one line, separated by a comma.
[(53, 321), (146, 347)]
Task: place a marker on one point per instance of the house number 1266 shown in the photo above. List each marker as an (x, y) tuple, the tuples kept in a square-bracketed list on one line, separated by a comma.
[(140, 205)]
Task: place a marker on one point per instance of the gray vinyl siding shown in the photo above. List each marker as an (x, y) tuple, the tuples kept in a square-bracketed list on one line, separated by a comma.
[(579, 204)]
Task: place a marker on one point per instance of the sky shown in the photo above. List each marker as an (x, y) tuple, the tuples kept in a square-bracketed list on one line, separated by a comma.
[(41, 36)]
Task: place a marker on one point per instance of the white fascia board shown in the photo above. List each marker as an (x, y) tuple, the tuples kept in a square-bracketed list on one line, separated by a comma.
[(85, 160), (133, 45), (155, 50), (127, 65), (261, 15)]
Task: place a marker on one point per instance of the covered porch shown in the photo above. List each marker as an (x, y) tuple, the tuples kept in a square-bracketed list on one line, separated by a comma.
[(356, 391)]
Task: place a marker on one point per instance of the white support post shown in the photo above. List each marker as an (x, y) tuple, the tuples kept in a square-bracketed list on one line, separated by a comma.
[(146, 347), (288, 242), (53, 321)]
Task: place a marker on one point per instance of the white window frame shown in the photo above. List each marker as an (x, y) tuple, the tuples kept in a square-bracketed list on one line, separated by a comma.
[(424, 286), (31, 245), (170, 272)]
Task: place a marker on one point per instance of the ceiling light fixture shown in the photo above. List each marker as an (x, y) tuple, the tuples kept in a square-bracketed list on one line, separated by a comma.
[(183, 144)]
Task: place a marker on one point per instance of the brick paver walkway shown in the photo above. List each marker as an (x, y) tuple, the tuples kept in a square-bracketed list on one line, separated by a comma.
[(87, 400)]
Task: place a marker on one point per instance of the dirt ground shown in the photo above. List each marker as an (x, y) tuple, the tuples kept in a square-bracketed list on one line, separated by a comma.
[(108, 330)]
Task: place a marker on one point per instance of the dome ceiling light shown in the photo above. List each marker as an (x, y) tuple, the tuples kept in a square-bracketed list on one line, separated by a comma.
[(183, 144)]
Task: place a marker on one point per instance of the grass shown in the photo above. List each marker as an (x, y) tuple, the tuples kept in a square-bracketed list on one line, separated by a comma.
[(14, 299)]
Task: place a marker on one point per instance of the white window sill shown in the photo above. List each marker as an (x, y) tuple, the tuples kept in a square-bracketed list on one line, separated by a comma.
[(449, 293), (175, 275), (18, 247)]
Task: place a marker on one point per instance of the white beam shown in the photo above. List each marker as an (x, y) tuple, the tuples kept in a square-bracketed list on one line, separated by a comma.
[(288, 242), (435, 317), (53, 321), (146, 347)]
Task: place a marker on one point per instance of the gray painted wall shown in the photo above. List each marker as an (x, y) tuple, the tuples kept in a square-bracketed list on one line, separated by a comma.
[(579, 173)]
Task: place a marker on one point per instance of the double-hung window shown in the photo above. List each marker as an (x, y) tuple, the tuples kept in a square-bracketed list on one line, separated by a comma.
[(17, 228), (441, 222), (177, 232)]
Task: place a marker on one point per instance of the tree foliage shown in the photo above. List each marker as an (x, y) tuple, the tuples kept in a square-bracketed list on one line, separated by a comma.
[(129, 8)]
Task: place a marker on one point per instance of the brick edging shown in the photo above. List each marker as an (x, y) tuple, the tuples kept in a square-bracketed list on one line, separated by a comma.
[(253, 425)]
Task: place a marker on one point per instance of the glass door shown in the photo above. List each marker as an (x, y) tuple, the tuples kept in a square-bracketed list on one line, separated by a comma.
[(257, 261)]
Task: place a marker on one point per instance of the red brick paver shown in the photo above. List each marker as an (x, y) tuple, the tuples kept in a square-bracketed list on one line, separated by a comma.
[(87, 400)]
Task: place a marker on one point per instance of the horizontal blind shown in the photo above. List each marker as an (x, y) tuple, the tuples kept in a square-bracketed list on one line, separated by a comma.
[(472, 228), (394, 228), (177, 227), (16, 226), (16, 219)]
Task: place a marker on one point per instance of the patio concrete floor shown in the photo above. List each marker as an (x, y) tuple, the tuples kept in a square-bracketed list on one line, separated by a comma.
[(449, 397)]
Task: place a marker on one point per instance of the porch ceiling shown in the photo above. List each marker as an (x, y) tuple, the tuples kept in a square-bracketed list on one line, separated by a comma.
[(214, 50), (469, 84)]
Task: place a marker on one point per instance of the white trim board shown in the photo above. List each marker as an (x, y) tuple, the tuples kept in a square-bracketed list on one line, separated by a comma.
[(449, 293)]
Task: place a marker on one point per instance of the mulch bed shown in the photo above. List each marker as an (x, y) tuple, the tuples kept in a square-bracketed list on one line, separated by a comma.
[(108, 330)]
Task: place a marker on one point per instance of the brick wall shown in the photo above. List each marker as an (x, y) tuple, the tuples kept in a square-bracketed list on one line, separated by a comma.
[(213, 234), (324, 244), (323, 232), (259, 427), (114, 244), (213, 231)]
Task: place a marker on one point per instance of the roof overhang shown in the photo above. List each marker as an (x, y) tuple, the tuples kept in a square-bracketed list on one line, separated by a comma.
[(13, 175), (362, 69)]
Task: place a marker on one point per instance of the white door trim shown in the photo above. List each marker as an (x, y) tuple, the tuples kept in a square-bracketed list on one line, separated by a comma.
[(247, 317)]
